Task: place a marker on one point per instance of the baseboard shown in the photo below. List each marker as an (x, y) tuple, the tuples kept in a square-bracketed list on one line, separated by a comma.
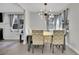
[(70, 46), (11, 40)]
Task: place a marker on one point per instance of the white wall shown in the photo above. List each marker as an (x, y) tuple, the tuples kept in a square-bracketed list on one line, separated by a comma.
[(27, 27), (74, 26), (5, 9), (7, 34), (27, 22), (1, 25), (37, 22)]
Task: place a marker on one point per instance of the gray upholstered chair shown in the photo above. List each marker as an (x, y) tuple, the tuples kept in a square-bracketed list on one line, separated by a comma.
[(58, 39), (37, 39)]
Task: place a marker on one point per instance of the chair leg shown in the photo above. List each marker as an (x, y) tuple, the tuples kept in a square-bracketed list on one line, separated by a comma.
[(50, 46), (62, 48), (56, 45), (59, 46), (42, 48), (32, 48), (53, 49)]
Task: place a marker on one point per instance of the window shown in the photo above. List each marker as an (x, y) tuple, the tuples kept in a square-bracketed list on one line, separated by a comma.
[(16, 21), (57, 22)]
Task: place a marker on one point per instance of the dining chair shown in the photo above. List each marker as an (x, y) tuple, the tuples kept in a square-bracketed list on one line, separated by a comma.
[(37, 39), (48, 37), (58, 39)]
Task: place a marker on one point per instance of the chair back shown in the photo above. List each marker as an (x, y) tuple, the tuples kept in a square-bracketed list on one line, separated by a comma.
[(58, 37), (37, 37)]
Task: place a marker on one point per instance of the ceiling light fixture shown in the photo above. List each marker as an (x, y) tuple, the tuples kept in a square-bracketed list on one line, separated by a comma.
[(44, 12)]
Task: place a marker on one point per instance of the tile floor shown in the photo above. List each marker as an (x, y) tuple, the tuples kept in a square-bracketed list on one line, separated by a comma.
[(15, 48)]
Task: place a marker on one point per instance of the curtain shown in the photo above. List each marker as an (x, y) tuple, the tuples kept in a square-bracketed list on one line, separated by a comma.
[(65, 17), (14, 22), (59, 22), (55, 21), (66, 25)]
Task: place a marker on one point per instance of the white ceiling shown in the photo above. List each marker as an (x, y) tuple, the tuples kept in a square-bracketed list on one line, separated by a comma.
[(10, 7), (36, 7)]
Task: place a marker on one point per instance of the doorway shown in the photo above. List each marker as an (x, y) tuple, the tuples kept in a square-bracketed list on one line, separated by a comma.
[(1, 34)]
